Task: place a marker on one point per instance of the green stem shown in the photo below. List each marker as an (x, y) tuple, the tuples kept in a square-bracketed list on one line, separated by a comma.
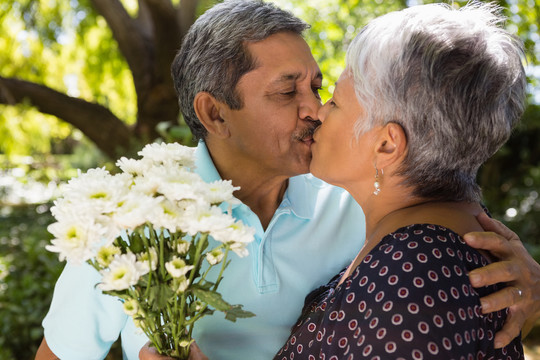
[(203, 277), (223, 266), (147, 247), (193, 319), (197, 259), (94, 264), (161, 262)]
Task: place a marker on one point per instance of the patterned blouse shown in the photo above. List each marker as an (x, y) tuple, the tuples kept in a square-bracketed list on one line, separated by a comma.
[(410, 298)]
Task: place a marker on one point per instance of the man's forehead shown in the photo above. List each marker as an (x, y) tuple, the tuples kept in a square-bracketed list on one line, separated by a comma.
[(284, 57)]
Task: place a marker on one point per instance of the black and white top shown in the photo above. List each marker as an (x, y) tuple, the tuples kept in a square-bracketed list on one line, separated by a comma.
[(410, 298)]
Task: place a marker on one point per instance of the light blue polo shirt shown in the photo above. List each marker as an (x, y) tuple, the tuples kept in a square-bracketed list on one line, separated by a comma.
[(316, 231)]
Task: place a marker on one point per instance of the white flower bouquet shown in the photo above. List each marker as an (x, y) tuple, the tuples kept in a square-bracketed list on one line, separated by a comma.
[(146, 231)]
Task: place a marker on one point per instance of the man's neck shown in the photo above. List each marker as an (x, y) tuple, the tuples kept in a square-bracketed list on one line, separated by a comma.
[(259, 189)]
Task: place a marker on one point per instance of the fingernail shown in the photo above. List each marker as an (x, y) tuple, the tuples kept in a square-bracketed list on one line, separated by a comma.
[(485, 307), (475, 279), (498, 344)]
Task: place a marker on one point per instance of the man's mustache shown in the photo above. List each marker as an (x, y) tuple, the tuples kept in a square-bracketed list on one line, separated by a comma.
[(308, 131)]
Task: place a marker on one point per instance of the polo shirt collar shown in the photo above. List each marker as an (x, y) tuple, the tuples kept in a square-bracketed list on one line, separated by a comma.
[(299, 198), (204, 166)]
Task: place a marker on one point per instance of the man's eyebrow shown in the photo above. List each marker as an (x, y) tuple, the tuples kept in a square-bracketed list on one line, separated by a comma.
[(286, 78), (292, 77)]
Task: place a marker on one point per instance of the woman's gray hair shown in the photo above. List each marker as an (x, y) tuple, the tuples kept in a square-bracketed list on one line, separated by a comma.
[(214, 55), (453, 79)]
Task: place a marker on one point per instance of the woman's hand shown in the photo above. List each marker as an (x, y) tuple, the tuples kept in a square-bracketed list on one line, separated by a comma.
[(515, 267), (149, 352)]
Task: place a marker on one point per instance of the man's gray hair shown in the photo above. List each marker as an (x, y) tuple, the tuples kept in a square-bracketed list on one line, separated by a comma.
[(214, 55), (453, 79)]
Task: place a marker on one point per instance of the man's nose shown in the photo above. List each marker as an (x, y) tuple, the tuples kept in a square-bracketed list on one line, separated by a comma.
[(309, 106)]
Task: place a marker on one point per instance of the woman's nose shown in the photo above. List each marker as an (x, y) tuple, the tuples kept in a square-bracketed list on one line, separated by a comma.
[(323, 111)]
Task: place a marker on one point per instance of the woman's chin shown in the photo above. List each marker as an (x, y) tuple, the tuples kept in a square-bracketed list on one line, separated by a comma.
[(318, 172)]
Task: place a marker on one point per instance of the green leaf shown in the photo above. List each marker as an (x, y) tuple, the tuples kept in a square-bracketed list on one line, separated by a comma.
[(121, 243), (205, 285), (159, 296), (236, 312), (136, 244), (212, 298)]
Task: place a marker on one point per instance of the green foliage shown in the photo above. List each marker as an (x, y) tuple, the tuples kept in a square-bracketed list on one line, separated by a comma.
[(27, 278), (27, 271), (511, 181), (66, 46)]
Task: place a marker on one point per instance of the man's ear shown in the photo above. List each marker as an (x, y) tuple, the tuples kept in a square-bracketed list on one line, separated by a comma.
[(391, 145), (208, 110)]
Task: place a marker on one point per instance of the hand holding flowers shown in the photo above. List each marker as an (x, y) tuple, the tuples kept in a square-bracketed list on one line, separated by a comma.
[(146, 231)]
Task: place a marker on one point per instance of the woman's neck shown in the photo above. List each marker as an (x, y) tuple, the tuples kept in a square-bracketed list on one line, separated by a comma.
[(458, 216)]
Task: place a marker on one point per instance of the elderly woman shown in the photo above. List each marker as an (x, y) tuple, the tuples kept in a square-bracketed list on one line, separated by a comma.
[(428, 95)]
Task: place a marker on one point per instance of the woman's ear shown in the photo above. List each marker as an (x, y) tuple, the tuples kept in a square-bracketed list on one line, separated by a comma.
[(391, 146), (209, 111)]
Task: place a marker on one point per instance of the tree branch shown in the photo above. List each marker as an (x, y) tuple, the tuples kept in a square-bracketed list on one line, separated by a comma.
[(131, 40), (144, 20), (186, 12), (166, 37), (99, 124)]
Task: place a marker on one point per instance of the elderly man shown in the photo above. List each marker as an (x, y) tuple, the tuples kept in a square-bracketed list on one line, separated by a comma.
[(248, 88)]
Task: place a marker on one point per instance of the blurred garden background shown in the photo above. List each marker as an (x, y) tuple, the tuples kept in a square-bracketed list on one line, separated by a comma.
[(83, 82)]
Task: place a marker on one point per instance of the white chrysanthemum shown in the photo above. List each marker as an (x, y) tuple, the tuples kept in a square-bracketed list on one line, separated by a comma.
[(183, 247), (185, 343), (133, 166), (147, 260), (215, 256), (96, 189), (76, 240), (112, 230), (106, 255), (166, 215), (237, 233), (240, 249), (131, 307), (172, 153), (134, 210), (174, 183), (121, 274), (219, 191), (177, 267), (183, 284), (64, 210), (145, 185), (202, 219)]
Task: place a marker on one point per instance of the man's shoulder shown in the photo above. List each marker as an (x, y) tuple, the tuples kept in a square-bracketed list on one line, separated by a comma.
[(316, 185)]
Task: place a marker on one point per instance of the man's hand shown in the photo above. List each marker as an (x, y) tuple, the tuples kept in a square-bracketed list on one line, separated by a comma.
[(149, 352), (515, 267)]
